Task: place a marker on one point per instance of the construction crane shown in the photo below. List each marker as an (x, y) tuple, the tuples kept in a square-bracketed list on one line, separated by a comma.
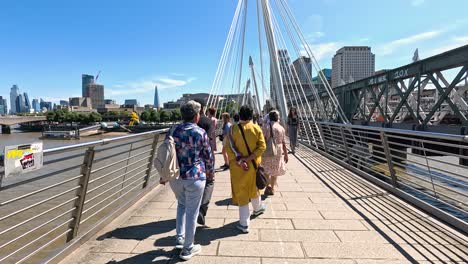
[(97, 76)]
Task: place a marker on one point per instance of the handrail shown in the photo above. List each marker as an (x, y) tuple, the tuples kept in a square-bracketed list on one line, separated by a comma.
[(435, 135), (403, 160), (103, 141), (33, 211)]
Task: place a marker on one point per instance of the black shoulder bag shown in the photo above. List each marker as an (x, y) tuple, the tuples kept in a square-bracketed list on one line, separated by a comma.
[(261, 179)]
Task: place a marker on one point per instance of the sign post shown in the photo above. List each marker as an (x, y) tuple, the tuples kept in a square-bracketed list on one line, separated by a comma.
[(24, 158)]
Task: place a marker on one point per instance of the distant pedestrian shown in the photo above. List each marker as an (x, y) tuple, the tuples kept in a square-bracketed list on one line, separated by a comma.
[(293, 125), (196, 164), (206, 124), (225, 138), (245, 138), (275, 166), (214, 126), (236, 118)]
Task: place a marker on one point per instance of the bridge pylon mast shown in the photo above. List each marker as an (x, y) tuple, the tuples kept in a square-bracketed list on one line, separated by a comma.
[(277, 80)]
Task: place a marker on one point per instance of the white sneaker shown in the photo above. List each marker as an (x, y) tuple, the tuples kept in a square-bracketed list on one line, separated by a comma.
[(260, 211), (187, 254), (180, 243), (243, 229)]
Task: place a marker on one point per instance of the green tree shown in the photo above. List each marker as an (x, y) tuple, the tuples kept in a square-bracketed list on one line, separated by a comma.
[(164, 116), (50, 116), (176, 115), (94, 117), (146, 115), (154, 116), (59, 116)]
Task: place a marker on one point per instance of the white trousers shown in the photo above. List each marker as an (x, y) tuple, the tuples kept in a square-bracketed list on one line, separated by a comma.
[(244, 212)]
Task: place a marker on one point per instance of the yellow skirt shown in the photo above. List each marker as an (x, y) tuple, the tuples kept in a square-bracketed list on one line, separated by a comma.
[(243, 185)]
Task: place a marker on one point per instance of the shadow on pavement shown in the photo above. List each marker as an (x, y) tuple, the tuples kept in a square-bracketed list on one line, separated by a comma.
[(141, 232)]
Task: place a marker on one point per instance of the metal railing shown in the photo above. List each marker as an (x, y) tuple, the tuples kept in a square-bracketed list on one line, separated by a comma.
[(427, 169), (80, 188)]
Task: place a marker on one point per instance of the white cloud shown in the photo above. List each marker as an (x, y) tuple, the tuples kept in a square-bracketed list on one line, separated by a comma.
[(391, 46), (417, 2), (453, 44), (323, 50), (147, 85), (311, 37)]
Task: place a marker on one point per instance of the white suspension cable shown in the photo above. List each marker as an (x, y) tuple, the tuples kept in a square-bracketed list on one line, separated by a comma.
[(227, 46)]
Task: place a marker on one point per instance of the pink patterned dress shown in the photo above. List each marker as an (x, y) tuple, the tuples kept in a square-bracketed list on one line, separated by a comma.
[(274, 166), (212, 133)]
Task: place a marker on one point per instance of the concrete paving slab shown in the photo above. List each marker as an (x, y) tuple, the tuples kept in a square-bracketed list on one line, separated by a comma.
[(361, 236), (328, 224), (352, 250), (260, 223), (340, 215), (222, 260), (309, 214), (307, 261), (263, 249), (298, 235)]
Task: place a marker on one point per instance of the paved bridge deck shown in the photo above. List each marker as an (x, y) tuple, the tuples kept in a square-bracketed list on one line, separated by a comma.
[(321, 213)]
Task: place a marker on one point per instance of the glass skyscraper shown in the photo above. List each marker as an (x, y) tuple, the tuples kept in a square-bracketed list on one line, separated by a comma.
[(3, 106), (27, 103), (36, 106), (156, 97), (85, 81), (13, 95)]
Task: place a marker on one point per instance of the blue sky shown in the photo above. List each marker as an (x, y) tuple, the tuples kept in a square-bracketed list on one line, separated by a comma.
[(46, 45)]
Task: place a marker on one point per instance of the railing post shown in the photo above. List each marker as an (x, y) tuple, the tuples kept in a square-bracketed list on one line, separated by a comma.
[(81, 193), (322, 136), (343, 138), (151, 158), (388, 155)]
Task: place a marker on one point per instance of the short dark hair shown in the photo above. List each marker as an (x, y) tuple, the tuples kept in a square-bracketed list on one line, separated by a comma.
[(212, 111), (236, 118), (274, 116), (245, 113)]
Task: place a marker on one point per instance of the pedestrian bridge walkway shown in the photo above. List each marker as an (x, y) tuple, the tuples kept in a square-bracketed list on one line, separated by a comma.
[(321, 213)]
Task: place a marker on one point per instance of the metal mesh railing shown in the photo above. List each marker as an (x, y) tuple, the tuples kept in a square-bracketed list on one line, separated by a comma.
[(78, 188)]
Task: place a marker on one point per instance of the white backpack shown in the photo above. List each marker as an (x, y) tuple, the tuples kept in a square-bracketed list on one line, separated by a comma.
[(165, 161)]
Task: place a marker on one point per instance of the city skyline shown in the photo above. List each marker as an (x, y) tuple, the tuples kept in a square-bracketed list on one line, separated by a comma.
[(131, 69)]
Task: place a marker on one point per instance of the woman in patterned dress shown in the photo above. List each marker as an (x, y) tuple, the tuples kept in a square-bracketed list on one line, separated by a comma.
[(275, 166), (214, 126)]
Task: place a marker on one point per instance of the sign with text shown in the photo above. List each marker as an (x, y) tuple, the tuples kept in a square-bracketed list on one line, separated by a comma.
[(23, 158)]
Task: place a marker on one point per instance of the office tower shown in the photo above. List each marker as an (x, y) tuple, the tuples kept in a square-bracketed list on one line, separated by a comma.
[(27, 103), (96, 93), (45, 105), (156, 97), (13, 95), (36, 106), (80, 102), (109, 101), (352, 63), (63, 102), (284, 61), (131, 102), (3, 106), (20, 104), (85, 81), (301, 68)]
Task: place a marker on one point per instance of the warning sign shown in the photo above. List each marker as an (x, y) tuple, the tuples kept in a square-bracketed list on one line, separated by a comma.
[(23, 158)]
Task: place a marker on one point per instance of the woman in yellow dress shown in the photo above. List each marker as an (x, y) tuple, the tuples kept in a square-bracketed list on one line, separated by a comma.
[(243, 174)]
